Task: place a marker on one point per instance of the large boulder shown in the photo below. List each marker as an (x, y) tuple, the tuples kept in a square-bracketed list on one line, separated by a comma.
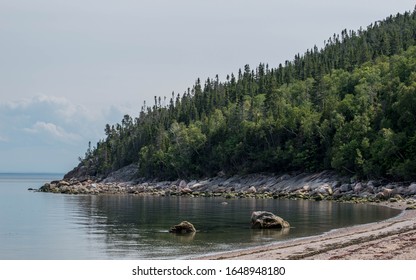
[(267, 220), (411, 190), (183, 227)]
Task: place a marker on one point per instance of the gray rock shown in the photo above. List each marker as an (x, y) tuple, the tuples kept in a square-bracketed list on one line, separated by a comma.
[(358, 188), (267, 220), (183, 227), (364, 195), (186, 190), (125, 174), (324, 189), (337, 194), (387, 192), (306, 188), (336, 185), (345, 188), (182, 184), (411, 190), (62, 183), (252, 189), (284, 177)]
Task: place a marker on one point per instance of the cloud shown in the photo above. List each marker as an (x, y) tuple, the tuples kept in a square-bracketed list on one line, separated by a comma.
[(56, 116), (53, 105), (53, 130), (53, 124)]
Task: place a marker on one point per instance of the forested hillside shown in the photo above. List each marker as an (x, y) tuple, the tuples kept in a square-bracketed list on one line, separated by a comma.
[(349, 107)]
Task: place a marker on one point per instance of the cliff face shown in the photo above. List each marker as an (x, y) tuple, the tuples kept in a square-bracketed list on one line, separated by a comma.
[(82, 173)]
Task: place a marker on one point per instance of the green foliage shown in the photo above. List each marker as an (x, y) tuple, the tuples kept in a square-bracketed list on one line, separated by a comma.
[(350, 106)]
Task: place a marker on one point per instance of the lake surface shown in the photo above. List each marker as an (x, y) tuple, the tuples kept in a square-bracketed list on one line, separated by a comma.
[(58, 226)]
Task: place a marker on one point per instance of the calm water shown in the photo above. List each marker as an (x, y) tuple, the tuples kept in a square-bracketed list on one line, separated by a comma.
[(56, 226)]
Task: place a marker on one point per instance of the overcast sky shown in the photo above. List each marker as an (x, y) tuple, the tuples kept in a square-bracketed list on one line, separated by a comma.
[(69, 67)]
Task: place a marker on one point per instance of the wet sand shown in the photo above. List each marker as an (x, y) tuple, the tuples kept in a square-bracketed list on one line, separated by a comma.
[(394, 238)]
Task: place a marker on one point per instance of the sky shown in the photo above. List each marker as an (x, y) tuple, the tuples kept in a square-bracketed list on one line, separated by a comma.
[(67, 68)]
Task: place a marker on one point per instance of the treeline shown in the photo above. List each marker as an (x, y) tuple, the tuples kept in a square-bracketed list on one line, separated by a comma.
[(350, 106)]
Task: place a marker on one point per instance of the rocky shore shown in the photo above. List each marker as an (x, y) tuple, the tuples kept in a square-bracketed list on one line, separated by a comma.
[(390, 239), (318, 186)]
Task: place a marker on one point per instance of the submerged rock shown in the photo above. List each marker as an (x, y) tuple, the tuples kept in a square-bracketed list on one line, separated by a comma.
[(183, 227), (267, 220)]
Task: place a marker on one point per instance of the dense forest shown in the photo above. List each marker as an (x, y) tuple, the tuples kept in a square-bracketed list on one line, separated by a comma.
[(349, 106)]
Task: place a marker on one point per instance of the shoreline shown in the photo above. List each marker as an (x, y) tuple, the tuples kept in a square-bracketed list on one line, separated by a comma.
[(325, 185), (394, 238), (391, 239)]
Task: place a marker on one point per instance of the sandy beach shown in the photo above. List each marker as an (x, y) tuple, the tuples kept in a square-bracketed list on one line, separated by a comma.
[(394, 238)]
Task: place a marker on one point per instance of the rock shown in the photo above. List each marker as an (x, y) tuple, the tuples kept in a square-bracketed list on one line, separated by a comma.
[(345, 188), (196, 186), (336, 185), (380, 195), (124, 174), (358, 188), (230, 195), (411, 190), (182, 184), (219, 190), (183, 227), (284, 177), (173, 188), (252, 189), (387, 192), (324, 189), (45, 188), (337, 194), (62, 183), (372, 186), (364, 194), (81, 172), (306, 188), (267, 220), (318, 197), (186, 190), (264, 189)]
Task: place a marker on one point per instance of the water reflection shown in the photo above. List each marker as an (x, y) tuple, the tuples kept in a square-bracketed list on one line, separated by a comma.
[(137, 227), (262, 235), (184, 238)]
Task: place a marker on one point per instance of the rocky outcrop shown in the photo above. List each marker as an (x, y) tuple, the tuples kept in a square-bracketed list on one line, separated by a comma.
[(125, 174), (81, 172), (267, 220), (317, 186), (182, 228)]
